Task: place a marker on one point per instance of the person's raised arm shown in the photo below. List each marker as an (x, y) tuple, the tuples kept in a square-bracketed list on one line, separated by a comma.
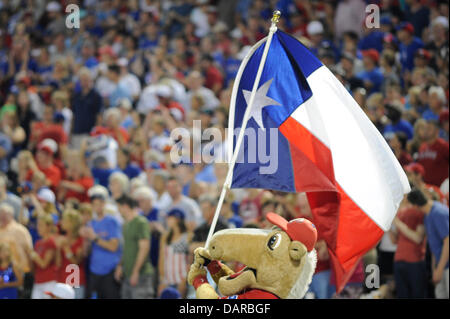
[(46, 260), (111, 244)]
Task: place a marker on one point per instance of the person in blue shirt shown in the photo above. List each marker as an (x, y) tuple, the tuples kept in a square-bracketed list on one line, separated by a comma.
[(206, 175), (176, 15), (101, 171), (124, 164), (121, 91), (372, 40), (408, 45), (394, 113), (87, 55), (437, 102), (418, 14), (5, 148), (437, 230), (316, 34), (149, 39), (104, 234), (372, 75), (231, 63)]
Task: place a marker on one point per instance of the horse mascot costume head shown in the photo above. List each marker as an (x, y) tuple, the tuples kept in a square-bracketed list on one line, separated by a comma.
[(279, 262)]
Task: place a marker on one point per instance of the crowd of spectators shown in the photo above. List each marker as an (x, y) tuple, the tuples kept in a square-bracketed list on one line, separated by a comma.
[(89, 195)]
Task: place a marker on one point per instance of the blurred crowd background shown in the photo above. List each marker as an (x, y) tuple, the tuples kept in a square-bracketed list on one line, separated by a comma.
[(88, 193)]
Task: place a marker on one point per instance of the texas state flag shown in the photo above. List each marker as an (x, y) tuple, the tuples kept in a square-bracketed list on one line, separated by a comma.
[(327, 147)]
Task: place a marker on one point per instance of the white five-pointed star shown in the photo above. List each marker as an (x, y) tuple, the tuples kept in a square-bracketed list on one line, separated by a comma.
[(261, 101)]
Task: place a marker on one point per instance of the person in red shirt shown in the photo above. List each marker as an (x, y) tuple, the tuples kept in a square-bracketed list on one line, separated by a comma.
[(78, 180), (166, 102), (416, 173), (54, 131), (71, 253), (55, 136), (44, 259), (213, 76), (433, 155), (112, 120), (398, 145), (38, 127), (409, 264), (44, 163), (250, 207)]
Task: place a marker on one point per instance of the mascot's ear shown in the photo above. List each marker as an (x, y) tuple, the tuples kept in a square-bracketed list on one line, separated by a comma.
[(296, 250)]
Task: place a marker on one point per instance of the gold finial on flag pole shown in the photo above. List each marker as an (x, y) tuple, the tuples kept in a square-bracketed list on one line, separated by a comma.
[(276, 16)]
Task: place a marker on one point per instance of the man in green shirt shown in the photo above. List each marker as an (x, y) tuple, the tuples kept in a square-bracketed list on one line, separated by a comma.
[(135, 267)]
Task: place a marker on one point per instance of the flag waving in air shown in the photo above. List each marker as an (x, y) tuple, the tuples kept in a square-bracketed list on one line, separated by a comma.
[(326, 146)]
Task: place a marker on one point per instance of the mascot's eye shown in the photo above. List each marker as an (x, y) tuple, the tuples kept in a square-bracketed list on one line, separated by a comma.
[(274, 241)]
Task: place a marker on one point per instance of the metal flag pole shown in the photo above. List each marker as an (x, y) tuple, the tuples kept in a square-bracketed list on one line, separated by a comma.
[(228, 179)]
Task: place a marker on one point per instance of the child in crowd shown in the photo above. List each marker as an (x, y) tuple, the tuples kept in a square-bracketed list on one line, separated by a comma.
[(44, 258), (70, 253)]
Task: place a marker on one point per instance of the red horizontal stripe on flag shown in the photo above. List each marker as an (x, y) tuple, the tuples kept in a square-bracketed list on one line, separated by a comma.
[(311, 159)]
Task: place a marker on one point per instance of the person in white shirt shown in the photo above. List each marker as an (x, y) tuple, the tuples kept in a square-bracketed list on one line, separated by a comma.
[(199, 17), (194, 82), (128, 79), (194, 216)]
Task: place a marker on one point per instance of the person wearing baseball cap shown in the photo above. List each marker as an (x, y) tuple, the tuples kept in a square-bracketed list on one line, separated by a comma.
[(416, 173), (45, 162), (177, 213), (166, 102), (46, 195), (371, 75), (372, 54), (61, 291), (422, 59), (408, 45), (406, 26)]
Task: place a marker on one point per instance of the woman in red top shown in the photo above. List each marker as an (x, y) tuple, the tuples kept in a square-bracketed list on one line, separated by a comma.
[(70, 254), (78, 181), (43, 257)]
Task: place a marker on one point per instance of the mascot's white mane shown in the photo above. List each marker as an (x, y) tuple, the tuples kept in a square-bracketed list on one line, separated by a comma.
[(301, 286)]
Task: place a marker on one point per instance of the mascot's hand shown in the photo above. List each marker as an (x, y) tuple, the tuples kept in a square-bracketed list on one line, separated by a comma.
[(201, 259), (195, 271), (202, 256), (206, 292)]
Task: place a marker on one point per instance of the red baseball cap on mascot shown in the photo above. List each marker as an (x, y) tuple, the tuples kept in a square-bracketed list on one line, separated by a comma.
[(299, 229)]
